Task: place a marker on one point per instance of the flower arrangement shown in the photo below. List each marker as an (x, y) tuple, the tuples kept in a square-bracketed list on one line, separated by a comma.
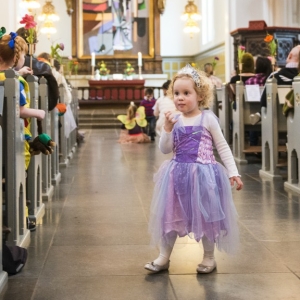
[(269, 39), (103, 69), (73, 64), (30, 27), (241, 52), (54, 51), (214, 62), (129, 69)]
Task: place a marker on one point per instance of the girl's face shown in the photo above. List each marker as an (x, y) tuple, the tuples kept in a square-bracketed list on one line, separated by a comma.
[(21, 61), (185, 97)]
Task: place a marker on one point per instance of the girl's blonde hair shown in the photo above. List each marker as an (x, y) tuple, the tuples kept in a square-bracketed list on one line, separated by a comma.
[(205, 90), (12, 54), (131, 111)]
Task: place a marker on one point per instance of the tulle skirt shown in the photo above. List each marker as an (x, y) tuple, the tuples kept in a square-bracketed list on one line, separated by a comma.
[(194, 199), (126, 138)]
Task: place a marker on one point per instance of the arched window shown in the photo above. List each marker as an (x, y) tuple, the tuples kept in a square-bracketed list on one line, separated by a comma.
[(207, 21)]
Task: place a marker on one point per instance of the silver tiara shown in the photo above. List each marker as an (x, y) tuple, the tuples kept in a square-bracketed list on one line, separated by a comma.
[(189, 70)]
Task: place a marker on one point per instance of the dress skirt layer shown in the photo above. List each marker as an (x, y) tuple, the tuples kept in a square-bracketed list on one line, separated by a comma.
[(194, 199)]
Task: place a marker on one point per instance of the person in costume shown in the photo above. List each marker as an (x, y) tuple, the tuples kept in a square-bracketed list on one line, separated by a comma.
[(12, 55), (162, 105), (133, 122), (149, 103), (192, 195)]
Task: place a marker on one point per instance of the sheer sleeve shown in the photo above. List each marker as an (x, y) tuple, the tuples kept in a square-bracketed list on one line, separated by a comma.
[(211, 123), (156, 109), (166, 142)]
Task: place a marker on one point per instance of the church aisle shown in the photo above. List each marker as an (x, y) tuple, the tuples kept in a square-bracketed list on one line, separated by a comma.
[(93, 242)]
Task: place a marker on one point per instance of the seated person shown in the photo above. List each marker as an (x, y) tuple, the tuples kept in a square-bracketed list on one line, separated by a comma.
[(46, 58), (285, 75), (208, 69), (246, 73), (263, 69), (40, 69), (247, 69)]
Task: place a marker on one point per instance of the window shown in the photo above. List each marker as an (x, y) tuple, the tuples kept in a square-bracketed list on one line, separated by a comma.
[(207, 21)]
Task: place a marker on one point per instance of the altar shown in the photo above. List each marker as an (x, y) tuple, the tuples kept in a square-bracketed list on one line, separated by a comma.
[(118, 90)]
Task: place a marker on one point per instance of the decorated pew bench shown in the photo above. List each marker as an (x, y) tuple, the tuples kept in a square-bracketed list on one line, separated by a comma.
[(274, 124)]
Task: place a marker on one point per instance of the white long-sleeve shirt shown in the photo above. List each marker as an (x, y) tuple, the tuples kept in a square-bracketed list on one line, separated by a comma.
[(166, 142)]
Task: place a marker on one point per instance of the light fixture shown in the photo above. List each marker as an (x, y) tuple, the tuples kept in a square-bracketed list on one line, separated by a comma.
[(30, 4), (69, 7), (48, 12), (191, 15), (48, 28)]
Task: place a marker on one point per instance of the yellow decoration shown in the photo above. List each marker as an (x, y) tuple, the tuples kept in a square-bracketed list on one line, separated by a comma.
[(140, 119)]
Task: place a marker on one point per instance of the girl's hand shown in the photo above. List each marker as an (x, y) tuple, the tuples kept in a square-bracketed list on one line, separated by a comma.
[(40, 114), (169, 121), (239, 182), (25, 70)]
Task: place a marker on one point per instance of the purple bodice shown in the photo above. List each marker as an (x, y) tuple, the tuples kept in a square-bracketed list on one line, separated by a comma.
[(193, 144)]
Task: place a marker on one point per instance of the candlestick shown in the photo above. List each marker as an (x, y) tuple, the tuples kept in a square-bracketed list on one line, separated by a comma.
[(140, 72), (93, 60), (93, 72), (140, 63)]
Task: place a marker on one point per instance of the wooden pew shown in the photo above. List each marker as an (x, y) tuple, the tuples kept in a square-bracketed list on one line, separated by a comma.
[(293, 144), (14, 163), (224, 112), (47, 187), (3, 275), (34, 178), (68, 142), (273, 122), (241, 123), (55, 173), (72, 140), (214, 105)]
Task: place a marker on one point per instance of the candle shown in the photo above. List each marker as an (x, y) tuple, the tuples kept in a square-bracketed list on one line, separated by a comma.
[(140, 59), (93, 62)]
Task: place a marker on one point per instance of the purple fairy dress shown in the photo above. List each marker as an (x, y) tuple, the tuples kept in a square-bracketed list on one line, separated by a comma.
[(192, 194)]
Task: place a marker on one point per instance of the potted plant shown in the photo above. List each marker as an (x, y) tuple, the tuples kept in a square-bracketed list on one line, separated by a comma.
[(73, 65), (129, 71), (103, 70)]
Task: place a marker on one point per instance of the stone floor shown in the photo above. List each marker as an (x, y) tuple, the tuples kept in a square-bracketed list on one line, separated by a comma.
[(93, 242)]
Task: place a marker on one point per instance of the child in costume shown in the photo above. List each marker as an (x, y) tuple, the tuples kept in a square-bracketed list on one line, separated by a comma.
[(12, 55), (149, 102), (192, 195), (163, 104), (132, 125)]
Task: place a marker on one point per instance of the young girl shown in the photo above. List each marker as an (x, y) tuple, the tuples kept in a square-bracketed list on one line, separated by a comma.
[(192, 195), (132, 125), (12, 55), (162, 105)]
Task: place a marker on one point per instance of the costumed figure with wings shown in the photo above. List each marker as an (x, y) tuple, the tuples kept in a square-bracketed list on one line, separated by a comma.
[(132, 125)]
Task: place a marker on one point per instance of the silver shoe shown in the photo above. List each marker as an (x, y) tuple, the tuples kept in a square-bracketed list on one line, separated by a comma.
[(205, 269), (154, 268)]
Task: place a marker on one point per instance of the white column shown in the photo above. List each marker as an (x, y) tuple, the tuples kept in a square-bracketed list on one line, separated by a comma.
[(230, 23)]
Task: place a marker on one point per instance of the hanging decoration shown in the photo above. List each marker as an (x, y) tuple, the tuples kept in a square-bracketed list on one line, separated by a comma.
[(49, 16), (191, 15)]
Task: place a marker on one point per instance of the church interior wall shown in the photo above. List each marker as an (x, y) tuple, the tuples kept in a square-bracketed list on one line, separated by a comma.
[(177, 47)]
